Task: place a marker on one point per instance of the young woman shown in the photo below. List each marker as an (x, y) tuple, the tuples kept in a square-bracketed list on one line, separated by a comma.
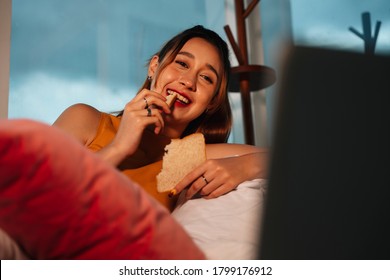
[(194, 65)]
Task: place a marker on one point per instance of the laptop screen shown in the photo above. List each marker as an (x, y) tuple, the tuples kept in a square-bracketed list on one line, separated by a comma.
[(329, 181)]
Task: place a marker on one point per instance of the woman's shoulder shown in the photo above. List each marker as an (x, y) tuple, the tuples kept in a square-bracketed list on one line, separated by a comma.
[(80, 120), (81, 110)]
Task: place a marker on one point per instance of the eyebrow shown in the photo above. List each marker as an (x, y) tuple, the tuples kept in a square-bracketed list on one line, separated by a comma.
[(190, 55)]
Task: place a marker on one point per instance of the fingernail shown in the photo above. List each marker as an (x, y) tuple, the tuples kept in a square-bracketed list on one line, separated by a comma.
[(172, 193)]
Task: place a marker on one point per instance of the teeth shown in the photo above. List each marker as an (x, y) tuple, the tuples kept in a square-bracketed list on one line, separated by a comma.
[(180, 97)]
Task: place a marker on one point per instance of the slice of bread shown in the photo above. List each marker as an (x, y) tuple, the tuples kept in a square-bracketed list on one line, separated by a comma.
[(181, 157)]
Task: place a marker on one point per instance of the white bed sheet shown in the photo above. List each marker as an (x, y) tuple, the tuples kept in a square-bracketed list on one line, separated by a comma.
[(227, 227)]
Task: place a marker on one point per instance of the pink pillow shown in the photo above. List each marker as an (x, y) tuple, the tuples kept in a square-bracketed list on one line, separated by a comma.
[(60, 201)]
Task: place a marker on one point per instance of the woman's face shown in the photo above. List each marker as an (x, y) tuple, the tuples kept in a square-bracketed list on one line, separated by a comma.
[(194, 75)]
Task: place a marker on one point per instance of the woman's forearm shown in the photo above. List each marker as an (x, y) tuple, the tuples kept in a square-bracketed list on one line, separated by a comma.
[(111, 154), (255, 165)]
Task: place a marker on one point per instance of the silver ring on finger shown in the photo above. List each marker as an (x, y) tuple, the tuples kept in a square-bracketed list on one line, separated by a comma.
[(149, 112), (205, 180), (146, 103)]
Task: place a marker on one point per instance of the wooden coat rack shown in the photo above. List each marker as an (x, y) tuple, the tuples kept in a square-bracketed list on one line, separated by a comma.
[(245, 77), (368, 38)]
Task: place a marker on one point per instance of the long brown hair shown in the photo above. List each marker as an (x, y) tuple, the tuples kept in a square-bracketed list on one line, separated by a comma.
[(216, 122)]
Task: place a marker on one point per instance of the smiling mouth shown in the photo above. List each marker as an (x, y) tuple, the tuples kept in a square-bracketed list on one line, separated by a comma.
[(181, 98)]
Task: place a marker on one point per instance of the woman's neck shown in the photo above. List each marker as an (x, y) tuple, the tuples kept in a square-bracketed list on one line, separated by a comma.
[(173, 131)]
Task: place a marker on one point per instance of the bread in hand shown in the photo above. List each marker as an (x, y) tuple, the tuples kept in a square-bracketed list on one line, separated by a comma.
[(171, 99), (181, 157)]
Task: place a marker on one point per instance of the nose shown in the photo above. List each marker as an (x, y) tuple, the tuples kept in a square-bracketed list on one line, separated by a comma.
[(188, 80)]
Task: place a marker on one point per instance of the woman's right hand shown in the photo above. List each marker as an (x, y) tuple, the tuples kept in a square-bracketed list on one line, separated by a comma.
[(144, 110)]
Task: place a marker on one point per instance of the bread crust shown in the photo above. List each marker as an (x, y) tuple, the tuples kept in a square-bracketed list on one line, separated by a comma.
[(181, 157)]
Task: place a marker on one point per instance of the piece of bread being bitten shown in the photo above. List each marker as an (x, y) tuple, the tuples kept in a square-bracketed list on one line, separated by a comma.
[(181, 157)]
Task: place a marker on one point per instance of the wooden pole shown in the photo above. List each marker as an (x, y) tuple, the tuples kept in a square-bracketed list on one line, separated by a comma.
[(246, 77)]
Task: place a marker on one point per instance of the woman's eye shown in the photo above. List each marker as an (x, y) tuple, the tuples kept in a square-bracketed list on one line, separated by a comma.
[(181, 63), (207, 79)]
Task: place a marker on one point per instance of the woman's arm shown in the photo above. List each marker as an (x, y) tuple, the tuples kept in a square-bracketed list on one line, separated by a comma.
[(228, 150), (82, 122), (227, 166), (252, 159)]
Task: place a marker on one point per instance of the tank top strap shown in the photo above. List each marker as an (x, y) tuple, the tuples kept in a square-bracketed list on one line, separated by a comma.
[(108, 127)]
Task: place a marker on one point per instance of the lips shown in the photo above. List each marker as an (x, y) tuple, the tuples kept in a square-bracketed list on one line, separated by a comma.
[(180, 98)]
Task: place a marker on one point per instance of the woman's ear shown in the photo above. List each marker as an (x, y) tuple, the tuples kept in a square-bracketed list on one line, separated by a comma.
[(153, 65)]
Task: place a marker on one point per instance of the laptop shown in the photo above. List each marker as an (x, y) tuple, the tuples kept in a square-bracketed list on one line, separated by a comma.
[(329, 182)]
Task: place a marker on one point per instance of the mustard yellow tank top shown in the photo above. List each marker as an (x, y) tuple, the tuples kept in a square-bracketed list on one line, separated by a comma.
[(145, 176)]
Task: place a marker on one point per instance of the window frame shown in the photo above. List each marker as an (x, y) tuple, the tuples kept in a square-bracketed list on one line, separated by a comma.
[(5, 48), (258, 99)]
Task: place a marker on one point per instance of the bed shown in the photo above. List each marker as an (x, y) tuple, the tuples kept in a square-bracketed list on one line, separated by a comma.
[(59, 201)]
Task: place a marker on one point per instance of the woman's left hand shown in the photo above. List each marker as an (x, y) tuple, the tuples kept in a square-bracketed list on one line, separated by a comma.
[(216, 177)]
